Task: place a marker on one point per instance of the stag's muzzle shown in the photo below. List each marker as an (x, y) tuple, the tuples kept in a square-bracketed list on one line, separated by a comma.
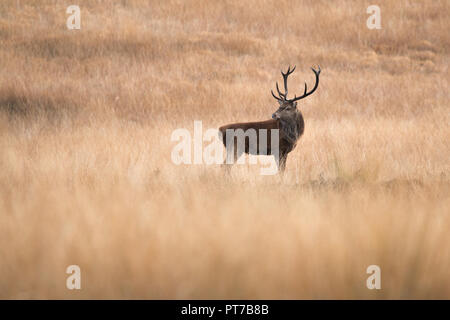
[(274, 116)]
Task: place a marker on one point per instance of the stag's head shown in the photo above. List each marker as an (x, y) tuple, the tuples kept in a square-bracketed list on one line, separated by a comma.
[(288, 107)]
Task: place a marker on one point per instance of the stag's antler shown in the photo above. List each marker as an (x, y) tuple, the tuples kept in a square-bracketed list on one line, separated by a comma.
[(316, 72), (283, 96)]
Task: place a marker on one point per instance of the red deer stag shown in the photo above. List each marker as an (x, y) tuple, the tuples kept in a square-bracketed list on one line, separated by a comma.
[(287, 119)]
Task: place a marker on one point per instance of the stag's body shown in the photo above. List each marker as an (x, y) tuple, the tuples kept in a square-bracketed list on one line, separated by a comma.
[(288, 120), (285, 145)]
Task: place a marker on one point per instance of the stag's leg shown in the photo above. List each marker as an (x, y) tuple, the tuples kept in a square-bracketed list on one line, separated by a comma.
[(282, 162), (232, 153), (226, 166)]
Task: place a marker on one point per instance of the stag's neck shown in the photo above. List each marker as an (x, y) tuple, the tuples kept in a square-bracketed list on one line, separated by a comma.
[(300, 124)]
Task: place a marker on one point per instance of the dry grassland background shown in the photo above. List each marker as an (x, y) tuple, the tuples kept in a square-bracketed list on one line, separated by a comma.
[(86, 176)]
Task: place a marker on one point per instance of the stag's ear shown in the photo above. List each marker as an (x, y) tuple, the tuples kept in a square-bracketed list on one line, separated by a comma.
[(295, 104)]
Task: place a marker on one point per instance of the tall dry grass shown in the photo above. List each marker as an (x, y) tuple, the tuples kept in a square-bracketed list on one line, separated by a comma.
[(86, 176)]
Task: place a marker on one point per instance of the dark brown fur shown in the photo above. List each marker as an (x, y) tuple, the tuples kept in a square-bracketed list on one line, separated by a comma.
[(285, 145)]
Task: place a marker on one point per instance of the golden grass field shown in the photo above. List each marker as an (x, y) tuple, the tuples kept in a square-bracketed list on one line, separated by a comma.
[(86, 176)]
